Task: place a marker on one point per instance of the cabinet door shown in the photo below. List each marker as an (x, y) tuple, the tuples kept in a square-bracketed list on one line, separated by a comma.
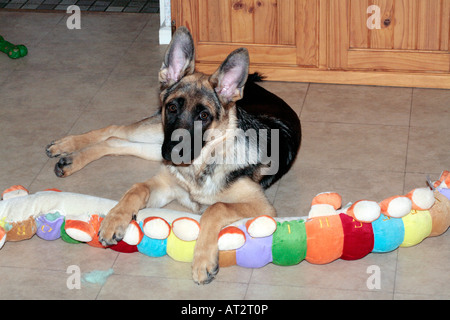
[(413, 35), (270, 29)]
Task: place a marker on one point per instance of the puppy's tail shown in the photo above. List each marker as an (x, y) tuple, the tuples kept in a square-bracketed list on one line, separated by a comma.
[(255, 77)]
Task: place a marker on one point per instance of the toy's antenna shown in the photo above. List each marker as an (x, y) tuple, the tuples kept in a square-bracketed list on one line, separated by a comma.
[(430, 184)]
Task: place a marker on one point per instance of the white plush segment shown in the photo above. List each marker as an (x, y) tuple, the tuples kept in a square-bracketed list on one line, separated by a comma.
[(231, 241), (186, 229), (78, 235), (399, 207), (262, 227), (157, 229), (72, 205), (132, 235), (367, 210), (321, 210), (423, 198), (14, 194)]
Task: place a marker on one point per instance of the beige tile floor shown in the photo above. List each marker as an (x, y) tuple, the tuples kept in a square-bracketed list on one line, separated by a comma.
[(363, 142)]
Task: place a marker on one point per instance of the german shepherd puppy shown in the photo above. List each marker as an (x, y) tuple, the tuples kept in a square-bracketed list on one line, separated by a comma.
[(208, 110)]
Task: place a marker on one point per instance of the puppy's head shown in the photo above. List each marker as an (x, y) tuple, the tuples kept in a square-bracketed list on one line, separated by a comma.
[(193, 102)]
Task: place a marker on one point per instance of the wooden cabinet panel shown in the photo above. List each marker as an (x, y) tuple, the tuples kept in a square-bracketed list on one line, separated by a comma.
[(247, 21), (413, 35), (414, 25), (268, 28)]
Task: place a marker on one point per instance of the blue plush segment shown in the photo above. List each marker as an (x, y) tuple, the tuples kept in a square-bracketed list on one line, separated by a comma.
[(388, 234), (152, 247)]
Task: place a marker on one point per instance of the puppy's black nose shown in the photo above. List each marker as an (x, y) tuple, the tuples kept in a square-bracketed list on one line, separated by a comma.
[(172, 151)]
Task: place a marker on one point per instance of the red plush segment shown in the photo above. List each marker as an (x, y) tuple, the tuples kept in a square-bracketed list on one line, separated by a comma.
[(123, 247), (358, 238), (325, 239)]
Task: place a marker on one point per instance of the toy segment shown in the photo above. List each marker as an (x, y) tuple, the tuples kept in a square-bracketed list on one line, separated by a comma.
[(260, 227), (65, 237), (396, 207), (255, 253), (440, 214), (421, 198), (22, 230), (231, 238), (14, 192), (358, 238), (81, 231), (325, 239), (418, 226), (289, 243), (180, 250), (389, 234), (325, 204), (49, 226), (186, 229), (2, 237), (152, 247), (156, 228), (364, 211)]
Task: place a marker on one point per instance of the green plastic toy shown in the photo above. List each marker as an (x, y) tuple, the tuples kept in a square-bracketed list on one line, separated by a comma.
[(14, 52)]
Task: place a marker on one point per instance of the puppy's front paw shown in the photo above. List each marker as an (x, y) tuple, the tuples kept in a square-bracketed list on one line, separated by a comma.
[(205, 265), (114, 226)]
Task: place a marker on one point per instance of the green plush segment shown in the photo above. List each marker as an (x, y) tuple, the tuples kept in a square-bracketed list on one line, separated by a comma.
[(289, 243), (65, 237), (14, 52)]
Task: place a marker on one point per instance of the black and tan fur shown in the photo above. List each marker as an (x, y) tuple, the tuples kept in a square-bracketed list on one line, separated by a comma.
[(229, 192)]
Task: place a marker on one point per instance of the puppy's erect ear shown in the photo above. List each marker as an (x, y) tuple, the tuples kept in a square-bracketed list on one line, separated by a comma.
[(229, 80), (179, 60)]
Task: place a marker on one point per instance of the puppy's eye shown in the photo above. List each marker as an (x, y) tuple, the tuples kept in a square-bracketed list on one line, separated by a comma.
[(172, 108), (204, 116)]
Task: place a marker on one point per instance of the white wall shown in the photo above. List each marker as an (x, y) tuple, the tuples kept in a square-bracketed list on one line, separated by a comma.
[(165, 29)]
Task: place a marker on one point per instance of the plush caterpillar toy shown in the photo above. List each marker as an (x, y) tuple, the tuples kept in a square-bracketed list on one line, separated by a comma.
[(329, 232)]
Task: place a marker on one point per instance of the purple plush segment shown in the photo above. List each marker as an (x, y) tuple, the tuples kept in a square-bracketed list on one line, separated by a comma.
[(255, 253), (445, 192), (49, 229)]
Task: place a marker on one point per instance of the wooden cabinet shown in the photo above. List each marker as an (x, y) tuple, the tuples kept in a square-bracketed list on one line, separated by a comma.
[(374, 42)]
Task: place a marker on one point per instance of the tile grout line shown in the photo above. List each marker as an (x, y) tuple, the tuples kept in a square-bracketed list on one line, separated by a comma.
[(407, 141)]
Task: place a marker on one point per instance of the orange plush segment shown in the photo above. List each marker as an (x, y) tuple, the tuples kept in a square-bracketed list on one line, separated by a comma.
[(227, 258), (325, 239)]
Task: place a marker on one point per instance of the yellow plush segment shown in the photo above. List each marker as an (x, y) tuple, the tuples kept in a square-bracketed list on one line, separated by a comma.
[(418, 225), (180, 250)]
